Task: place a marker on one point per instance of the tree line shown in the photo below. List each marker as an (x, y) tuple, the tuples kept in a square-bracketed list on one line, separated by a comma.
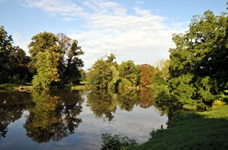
[(107, 74), (54, 60), (195, 75)]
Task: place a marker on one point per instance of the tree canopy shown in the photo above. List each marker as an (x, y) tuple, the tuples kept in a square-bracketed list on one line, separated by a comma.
[(13, 61), (198, 69), (100, 75), (55, 58)]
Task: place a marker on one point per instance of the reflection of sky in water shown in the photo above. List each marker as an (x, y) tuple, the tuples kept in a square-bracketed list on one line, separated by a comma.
[(135, 124)]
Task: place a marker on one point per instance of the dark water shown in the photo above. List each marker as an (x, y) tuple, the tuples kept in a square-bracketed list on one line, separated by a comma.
[(75, 119)]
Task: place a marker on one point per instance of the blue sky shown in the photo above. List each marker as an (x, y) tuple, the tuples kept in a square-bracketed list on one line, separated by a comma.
[(138, 30)]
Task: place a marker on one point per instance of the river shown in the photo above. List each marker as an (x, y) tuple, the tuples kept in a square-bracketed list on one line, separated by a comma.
[(63, 119)]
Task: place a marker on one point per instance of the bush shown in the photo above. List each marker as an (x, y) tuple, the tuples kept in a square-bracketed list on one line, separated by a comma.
[(217, 103), (115, 142)]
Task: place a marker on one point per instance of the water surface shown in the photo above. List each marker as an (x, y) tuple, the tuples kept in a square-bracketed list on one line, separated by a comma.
[(75, 119)]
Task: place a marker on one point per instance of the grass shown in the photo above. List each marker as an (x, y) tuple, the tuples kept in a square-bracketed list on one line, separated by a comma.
[(11, 87), (7, 86), (77, 87), (28, 87), (202, 130)]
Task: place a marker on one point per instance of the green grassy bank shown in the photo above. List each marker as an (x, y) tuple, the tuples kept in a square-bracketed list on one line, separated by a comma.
[(11, 87), (28, 87), (200, 130)]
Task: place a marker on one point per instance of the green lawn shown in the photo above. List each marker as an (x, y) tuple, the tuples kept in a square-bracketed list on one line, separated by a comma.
[(201, 130)]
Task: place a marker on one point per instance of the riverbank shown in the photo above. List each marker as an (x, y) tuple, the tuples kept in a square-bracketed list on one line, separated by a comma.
[(19, 87), (28, 87), (198, 130)]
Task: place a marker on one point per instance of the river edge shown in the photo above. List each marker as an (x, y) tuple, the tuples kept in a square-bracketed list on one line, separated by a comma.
[(189, 130), (192, 130)]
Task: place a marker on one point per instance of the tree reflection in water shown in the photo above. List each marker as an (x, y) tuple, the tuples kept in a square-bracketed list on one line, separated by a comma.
[(145, 97), (53, 117), (12, 107), (127, 99), (104, 103), (54, 114)]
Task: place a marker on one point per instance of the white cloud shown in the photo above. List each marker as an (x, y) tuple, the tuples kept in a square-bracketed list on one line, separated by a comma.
[(57, 7), (105, 7), (141, 37)]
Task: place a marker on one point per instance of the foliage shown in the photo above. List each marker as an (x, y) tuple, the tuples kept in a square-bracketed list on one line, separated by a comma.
[(47, 71), (55, 59), (115, 142), (197, 70), (217, 103), (5, 47), (13, 61), (19, 69), (42, 42), (107, 74), (70, 62), (103, 73), (45, 55), (128, 70), (146, 72), (163, 66)]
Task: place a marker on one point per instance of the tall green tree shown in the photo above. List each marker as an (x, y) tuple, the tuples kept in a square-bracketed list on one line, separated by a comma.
[(13, 61), (47, 71), (45, 55), (44, 41), (19, 69), (101, 74), (129, 73), (198, 70), (5, 48), (71, 61)]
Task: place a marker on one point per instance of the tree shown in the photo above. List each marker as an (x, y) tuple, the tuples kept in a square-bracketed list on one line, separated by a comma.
[(197, 63), (19, 70), (71, 63), (13, 61), (47, 71), (145, 74), (163, 67), (45, 55), (101, 74), (5, 47), (129, 73), (42, 42)]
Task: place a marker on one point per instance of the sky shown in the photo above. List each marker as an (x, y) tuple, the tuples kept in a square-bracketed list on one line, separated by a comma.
[(138, 30)]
